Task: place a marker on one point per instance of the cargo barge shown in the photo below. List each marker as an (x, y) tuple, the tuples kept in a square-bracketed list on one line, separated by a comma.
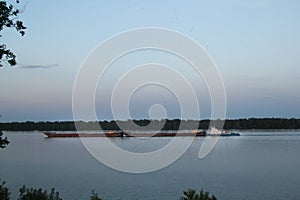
[(124, 134), (193, 133)]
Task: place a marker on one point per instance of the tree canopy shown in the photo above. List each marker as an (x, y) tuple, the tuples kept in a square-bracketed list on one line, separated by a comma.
[(9, 19), (3, 141), (170, 124), (191, 194), (4, 193), (94, 196), (38, 194)]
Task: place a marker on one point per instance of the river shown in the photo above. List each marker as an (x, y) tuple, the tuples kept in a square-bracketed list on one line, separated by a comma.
[(255, 165)]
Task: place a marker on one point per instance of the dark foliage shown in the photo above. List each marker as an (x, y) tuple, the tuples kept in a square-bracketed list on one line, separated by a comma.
[(4, 193), (94, 196), (191, 194), (3, 141), (242, 124), (37, 194), (9, 19)]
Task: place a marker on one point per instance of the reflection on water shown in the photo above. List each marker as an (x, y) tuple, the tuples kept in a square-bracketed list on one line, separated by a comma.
[(256, 165)]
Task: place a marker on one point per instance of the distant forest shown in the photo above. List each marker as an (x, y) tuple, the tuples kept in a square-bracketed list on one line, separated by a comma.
[(250, 123)]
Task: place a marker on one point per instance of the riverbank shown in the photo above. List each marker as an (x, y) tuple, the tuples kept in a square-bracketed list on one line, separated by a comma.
[(169, 124)]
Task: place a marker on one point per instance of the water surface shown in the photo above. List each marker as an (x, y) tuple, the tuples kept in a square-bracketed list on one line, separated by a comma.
[(256, 165)]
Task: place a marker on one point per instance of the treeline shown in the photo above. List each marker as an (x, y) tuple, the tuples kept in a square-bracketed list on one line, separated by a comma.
[(40, 194), (250, 123), (36, 194)]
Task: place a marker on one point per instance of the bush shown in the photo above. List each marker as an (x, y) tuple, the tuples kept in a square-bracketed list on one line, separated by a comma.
[(191, 194), (4, 193), (94, 196)]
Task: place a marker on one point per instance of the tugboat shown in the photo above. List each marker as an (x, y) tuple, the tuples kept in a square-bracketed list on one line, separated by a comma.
[(216, 132)]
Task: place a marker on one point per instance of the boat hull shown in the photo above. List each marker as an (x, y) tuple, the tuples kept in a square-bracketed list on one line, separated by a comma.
[(224, 134), (122, 134), (125, 134)]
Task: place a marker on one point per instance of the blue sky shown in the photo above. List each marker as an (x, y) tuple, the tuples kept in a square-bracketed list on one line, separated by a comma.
[(254, 43)]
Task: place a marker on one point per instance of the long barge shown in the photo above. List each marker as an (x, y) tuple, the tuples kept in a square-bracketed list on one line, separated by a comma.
[(135, 134), (122, 134)]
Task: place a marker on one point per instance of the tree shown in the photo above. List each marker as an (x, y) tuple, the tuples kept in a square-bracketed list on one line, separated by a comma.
[(205, 196), (37, 194), (4, 193), (3, 141), (9, 19), (191, 194), (94, 196)]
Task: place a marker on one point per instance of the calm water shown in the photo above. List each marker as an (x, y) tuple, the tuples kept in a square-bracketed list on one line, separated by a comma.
[(256, 165)]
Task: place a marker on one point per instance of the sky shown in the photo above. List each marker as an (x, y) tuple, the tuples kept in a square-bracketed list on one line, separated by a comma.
[(255, 45)]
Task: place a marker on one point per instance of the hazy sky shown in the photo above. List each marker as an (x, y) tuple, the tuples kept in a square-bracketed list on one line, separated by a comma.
[(254, 43)]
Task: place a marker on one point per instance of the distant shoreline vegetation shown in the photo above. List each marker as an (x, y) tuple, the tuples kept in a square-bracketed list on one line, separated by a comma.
[(239, 124)]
